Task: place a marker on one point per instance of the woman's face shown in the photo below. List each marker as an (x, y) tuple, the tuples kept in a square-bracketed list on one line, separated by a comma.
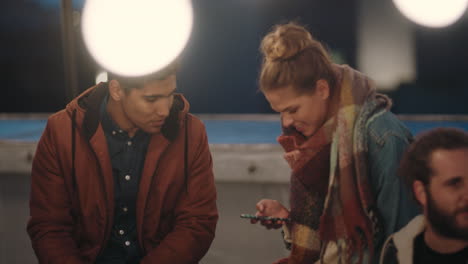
[(305, 112)]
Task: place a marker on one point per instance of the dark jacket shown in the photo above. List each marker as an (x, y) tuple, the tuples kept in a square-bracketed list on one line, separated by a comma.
[(72, 195)]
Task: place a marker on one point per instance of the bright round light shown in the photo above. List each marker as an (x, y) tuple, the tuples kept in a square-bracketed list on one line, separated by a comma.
[(136, 37), (101, 77), (432, 13)]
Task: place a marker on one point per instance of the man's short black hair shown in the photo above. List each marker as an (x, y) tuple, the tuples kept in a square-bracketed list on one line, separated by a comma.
[(128, 83)]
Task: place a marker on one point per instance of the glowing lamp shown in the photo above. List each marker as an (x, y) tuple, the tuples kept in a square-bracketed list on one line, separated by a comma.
[(432, 13), (101, 77), (136, 37)]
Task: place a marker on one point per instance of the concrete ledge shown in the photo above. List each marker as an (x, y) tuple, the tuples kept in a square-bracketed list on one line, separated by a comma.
[(433, 117), (26, 116), (243, 117), (16, 156), (250, 163), (231, 162)]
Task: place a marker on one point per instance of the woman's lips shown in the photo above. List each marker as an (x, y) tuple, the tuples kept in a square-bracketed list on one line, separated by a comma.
[(299, 128)]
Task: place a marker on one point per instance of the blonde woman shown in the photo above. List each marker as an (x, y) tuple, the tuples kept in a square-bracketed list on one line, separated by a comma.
[(343, 146)]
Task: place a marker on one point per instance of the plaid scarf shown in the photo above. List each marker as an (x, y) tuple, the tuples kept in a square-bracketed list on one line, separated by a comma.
[(345, 214)]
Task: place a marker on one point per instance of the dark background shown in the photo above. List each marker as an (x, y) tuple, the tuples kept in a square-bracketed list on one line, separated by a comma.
[(221, 60)]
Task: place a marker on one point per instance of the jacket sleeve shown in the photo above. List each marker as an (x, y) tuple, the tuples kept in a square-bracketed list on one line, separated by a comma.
[(388, 140), (51, 224), (196, 213)]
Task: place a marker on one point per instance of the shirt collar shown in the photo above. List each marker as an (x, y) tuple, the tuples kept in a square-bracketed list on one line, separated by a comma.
[(110, 127)]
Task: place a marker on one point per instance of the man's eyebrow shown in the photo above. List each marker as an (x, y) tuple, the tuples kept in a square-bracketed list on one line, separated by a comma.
[(153, 96), (453, 180)]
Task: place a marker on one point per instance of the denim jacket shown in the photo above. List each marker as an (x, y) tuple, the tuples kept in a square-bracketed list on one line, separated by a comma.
[(388, 138)]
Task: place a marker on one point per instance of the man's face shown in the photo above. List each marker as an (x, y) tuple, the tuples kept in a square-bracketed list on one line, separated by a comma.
[(148, 107), (447, 193)]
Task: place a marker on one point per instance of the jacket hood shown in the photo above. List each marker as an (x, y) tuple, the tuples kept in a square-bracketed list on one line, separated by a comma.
[(84, 110), (404, 239)]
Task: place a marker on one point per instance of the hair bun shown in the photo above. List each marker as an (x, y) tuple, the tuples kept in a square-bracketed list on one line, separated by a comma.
[(285, 42)]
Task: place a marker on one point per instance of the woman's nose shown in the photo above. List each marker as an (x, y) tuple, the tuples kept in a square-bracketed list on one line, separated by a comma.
[(286, 120)]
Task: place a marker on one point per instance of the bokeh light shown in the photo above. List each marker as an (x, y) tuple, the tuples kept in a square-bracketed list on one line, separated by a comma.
[(136, 37), (101, 77), (432, 13)]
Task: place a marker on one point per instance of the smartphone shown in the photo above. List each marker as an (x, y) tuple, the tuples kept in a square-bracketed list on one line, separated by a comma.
[(264, 218)]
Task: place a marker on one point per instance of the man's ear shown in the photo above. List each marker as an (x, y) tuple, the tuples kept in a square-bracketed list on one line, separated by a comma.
[(322, 89), (419, 191), (115, 90)]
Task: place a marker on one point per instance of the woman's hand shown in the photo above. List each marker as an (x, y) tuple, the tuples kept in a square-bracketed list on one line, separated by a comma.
[(271, 208), (291, 157)]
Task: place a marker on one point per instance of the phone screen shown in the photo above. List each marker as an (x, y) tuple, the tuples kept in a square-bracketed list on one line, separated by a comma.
[(264, 218)]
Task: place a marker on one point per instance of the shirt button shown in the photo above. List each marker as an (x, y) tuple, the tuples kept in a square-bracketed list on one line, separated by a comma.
[(127, 177), (120, 131), (127, 243), (125, 209), (129, 143), (113, 132), (121, 232)]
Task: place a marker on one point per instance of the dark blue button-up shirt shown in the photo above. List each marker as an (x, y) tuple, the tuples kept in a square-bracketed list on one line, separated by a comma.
[(127, 156)]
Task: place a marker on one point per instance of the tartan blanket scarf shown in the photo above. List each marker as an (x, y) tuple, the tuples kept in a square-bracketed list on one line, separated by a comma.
[(344, 213)]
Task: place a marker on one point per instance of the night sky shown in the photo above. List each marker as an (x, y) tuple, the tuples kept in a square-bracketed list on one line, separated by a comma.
[(221, 60)]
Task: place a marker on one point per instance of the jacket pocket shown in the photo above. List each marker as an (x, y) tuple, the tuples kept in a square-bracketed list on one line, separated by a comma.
[(166, 225)]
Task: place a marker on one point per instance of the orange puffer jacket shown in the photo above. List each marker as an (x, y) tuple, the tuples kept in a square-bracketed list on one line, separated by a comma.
[(72, 189)]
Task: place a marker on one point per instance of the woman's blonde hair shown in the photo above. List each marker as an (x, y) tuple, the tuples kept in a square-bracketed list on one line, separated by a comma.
[(292, 57)]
